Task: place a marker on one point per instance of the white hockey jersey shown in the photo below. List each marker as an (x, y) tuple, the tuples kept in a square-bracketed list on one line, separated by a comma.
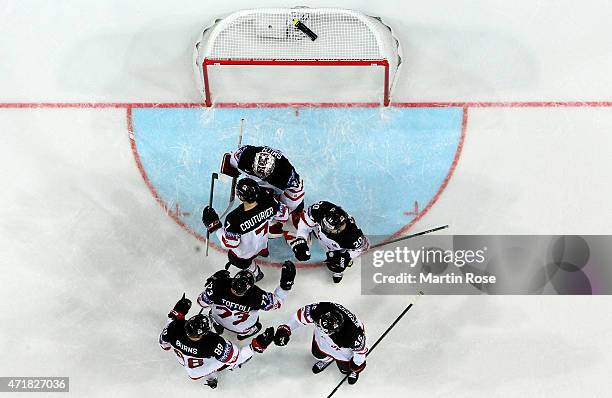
[(351, 239), (245, 232), (348, 344), (238, 313)]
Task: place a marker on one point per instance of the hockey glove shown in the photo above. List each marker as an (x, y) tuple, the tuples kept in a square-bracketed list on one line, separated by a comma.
[(181, 308), (227, 168), (262, 341), (287, 275), (210, 218), (283, 333), (300, 249), (338, 261)]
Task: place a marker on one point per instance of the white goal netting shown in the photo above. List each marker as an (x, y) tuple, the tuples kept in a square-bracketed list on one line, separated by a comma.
[(280, 36)]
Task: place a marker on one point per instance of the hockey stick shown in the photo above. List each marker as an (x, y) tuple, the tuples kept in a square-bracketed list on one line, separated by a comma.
[(399, 318), (234, 179), (210, 203), (409, 236)]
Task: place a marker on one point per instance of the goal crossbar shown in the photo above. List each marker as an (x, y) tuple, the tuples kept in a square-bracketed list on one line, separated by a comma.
[(278, 37)]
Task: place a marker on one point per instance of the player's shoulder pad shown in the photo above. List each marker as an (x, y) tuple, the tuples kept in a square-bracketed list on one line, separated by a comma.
[(232, 221), (173, 330), (294, 178), (348, 315), (360, 340), (222, 349), (258, 298), (248, 148), (266, 197), (355, 234), (212, 345), (216, 283)]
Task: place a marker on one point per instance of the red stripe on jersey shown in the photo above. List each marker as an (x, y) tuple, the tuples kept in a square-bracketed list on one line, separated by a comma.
[(226, 243), (285, 216), (232, 354), (229, 237), (294, 198), (303, 216), (296, 189)]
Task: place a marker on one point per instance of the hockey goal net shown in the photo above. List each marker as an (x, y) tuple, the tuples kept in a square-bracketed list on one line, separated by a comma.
[(328, 44)]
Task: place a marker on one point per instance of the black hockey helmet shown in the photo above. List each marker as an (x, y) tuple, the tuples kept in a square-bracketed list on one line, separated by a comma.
[(242, 282), (263, 164), (197, 326), (247, 190), (334, 221), (331, 321)]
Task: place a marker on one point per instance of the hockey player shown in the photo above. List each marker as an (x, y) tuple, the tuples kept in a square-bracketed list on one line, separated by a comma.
[(245, 233), (202, 352), (336, 231), (338, 336), (272, 170), (235, 302)]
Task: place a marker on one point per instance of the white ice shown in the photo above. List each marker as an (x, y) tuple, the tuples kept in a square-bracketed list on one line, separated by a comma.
[(91, 264)]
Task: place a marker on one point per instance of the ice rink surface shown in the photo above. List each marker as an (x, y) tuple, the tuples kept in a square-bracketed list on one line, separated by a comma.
[(91, 263)]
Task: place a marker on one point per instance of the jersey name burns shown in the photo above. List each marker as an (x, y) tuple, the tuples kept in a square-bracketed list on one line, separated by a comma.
[(190, 350)]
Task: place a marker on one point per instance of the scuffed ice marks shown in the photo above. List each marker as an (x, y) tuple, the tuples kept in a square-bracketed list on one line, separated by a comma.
[(376, 163)]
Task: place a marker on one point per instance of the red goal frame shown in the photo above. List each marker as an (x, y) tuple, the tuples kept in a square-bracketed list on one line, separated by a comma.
[(295, 62)]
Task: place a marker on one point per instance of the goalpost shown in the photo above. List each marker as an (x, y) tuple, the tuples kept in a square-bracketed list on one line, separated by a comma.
[(327, 44)]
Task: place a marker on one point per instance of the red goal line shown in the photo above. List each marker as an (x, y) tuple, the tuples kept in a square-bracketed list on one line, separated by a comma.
[(462, 104)]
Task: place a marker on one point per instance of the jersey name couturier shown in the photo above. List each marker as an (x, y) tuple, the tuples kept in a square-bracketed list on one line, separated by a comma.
[(256, 220), (245, 232)]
